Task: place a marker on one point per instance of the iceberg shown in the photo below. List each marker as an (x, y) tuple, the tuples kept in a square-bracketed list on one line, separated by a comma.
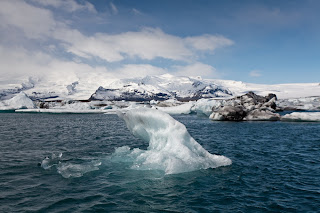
[(307, 103), (20, 101), (171, 148), (262, 115), (205, 106), (302, 116), (179, 109)]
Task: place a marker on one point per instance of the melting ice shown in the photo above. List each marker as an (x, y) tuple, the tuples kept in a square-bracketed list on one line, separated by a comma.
[(171, 148), (67, 169)]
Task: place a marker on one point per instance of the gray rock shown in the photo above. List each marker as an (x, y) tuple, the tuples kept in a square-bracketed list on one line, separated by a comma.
[(232, 113), (247, 107)]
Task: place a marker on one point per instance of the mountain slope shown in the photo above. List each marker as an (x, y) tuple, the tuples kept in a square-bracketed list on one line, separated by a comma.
[(160, 88)]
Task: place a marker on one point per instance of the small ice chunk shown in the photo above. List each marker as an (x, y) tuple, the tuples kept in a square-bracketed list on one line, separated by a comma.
[(177, 110), (68, 170), (302, 116), (215, 116), (45, 163)]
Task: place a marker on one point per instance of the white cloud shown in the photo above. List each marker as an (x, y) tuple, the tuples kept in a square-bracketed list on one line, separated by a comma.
[(255, 73), (136, 11), (139, 70), (114, 8), (68, 5), (41, 34), (33, 21), (196, 69), (44, 66), (149, 43), (208, 42)]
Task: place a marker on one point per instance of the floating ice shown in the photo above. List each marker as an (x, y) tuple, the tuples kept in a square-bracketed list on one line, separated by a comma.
[(68, 169), (177, 110), (200, 107), (307, 103), (20, 101), (48, 162), (302, 116), (262, 115), (205, 106), (171, 148)]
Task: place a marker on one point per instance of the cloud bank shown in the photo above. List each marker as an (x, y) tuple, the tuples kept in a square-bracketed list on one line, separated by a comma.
[(38, 40)]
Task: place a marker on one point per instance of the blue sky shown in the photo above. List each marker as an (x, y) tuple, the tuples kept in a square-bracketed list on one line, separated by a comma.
[(251, 41)]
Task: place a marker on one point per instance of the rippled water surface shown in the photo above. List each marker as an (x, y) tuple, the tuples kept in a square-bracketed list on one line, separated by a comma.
[(276, 167)]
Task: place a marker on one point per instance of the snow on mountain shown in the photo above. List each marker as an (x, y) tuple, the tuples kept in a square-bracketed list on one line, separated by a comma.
[(161, 88), (9, 91), (158, 88), (283, 91), (51, 90)]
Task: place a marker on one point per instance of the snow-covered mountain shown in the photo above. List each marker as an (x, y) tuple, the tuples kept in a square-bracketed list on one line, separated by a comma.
[(161, 88)]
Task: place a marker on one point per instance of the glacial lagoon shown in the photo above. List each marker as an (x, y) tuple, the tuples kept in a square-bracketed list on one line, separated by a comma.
[(67, 163)]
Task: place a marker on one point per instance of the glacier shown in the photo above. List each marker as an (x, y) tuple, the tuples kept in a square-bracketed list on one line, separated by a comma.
[(171, 148)]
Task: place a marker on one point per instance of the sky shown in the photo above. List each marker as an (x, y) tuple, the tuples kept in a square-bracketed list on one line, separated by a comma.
[(267, 42)]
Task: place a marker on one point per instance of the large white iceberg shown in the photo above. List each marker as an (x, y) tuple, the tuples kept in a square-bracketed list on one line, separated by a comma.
[(20, 101), (302, 116), (171, 148)]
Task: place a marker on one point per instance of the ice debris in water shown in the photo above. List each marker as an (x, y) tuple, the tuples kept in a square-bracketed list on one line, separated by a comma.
[(67, 169), (302, 116), (171, 148), (48, 162), (77, 170)]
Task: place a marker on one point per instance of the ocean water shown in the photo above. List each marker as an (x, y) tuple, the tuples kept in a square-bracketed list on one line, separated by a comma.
[(275, 167)]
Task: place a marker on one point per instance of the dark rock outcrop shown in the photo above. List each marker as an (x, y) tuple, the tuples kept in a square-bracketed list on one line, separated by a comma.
[(249, 107)]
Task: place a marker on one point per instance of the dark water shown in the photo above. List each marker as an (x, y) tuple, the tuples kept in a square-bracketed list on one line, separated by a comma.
[(276, 167)]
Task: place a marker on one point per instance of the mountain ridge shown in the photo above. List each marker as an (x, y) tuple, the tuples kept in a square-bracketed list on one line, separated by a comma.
[(162, 87)]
